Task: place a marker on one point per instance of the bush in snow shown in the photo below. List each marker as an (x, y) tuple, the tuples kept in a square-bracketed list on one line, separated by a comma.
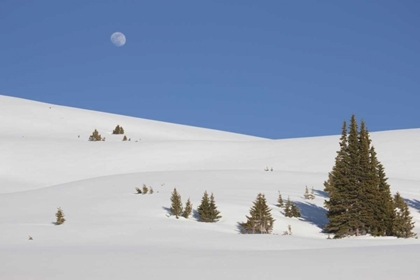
[(145, 189), (96, 136), (60, 217), (118, 130)]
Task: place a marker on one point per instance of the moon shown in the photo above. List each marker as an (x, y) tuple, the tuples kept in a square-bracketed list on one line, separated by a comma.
[(118, 39)]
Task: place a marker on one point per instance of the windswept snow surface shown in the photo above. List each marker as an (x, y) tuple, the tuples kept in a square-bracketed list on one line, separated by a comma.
[(113, 233)]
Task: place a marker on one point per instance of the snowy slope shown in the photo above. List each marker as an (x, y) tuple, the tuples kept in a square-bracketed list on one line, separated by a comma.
[(113, 233)]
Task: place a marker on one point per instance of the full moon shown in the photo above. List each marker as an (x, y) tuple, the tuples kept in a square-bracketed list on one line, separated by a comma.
[(118, 39)]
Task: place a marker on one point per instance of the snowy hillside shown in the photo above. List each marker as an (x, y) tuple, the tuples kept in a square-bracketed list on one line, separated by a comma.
[(46, 161)]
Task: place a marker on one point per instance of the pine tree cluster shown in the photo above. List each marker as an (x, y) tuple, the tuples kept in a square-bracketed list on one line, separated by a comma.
[(96, 136), (259, 219), (360, 200), (118, 130), (291, 210), (207, 210)]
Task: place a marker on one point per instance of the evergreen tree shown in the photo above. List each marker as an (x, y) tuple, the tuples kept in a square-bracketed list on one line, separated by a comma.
[(306, 194), (151, 191), (336, 186), (360, 200), (204, 210), (145, 189), (187, 210), (207, 210), (280, 202), (295, 211), (125, 138), (215, 214), (118, 130), (403, 225), (312, 194), (176, 204), (96, 136), (60, 217), (386, 213), (368, 182), (259, 219), (138, 190), (288, 208)]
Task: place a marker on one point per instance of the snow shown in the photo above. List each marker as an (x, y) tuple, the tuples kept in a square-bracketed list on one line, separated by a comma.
[(111, 232)]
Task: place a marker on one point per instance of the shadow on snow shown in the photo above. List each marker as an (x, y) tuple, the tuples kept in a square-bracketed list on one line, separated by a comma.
[(313, 214), (414, 203)]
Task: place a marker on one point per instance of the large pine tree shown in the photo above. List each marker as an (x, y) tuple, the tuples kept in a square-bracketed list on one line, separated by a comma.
[(336, 186), (259, 219), (360, 200)]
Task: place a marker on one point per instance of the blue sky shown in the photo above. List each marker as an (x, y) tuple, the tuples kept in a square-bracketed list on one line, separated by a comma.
[(276, 69)]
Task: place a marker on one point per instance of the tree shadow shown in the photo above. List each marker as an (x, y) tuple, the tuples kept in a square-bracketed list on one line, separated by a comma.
[(414, 203), (321, 193), (313, 214), (168, 210), (195, 215)]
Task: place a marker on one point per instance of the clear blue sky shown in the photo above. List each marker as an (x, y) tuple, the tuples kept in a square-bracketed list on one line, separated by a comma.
[(276, 69)]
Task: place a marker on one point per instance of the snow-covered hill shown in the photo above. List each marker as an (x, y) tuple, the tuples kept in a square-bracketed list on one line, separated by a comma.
[(113, 233)]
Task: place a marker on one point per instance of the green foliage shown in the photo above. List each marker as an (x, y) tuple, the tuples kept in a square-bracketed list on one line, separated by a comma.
[(118, 130), (280, 202), (360, 200), (145, 189), (96, 136), (188, 209), (291, 210), (125, 138), (176, 204), (312, 194), (403, 225), (207, 210), (288, 208), (60, 217), (295, 211), (259, 219), (138, 190), (306, 195)]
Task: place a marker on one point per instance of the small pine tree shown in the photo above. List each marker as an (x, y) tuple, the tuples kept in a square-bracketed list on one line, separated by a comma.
[(96, 136), (403, 225), (259, 219), (295, 211), (288, 208), (118, 130), (176, 204), (187, 210), (60, 217), (204, 209), (138, 190), (280, 202), (215, 214), (125, 138), (151, 191), (145, 189), (306, 194), (312, 194)]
